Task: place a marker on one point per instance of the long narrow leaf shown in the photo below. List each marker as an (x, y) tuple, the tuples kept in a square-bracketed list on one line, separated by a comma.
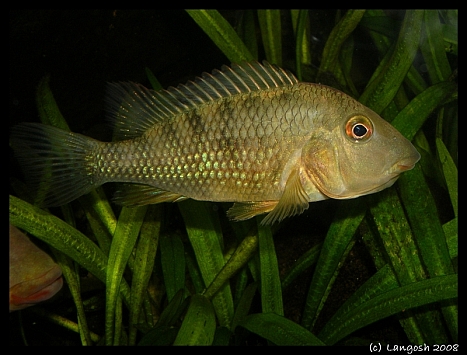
[(222, 34), (239, 258), (395, 301), (450, 173), (203, 230), (128, 226), (59, 235), (337, 244), (173, 264), (381, 91), (433, 48), (279, 330), (429, 233), (270, 24), (144, 262), (199, 325), (335, 40), (271, 291), (412, 117)]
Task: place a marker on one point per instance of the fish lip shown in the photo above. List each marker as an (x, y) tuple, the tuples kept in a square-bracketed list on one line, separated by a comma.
[(404, 164)]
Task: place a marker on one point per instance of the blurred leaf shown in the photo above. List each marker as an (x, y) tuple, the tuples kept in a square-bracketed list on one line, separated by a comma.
[(239, 258), (271, 32), (124, 239), (222, 34), (429, 233), (339, 34), (379, 283), (59, 235), (392, 70), (339, 240), (173, 264), (204, 232), (279, 330), (450, 173), (433, 48), (393, 302), (271, 291), (412, 117), (145, 254), (199, 325), (47, 107)]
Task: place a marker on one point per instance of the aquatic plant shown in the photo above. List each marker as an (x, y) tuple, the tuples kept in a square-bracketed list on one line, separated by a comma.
[(210, 281)]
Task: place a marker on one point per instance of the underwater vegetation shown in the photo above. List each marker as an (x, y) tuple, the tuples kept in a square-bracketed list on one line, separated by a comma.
[(184, 274)]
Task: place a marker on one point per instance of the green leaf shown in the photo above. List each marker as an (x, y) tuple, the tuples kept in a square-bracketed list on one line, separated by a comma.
[(172, 313), (429, 233), (379, 283), (145, 254), (239, 258), (305, 261), (392, 302), (279, 330), (128, 226), (59, 235), (222, 34), (173, 264), (339, 34), (270, 25), (433, 48), (412, 117), (338, 242), (300, 23), (271, 291), (450, 173), (47, 107), (199, 324), (392, 70), (203, 229)]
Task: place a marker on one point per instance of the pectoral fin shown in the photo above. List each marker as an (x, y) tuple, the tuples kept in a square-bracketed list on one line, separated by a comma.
[(294, 200)]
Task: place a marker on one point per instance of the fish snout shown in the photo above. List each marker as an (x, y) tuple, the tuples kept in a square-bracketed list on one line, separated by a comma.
[(406, 163)]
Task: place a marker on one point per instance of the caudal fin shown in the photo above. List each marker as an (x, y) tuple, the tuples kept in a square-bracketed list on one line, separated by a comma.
[(57, 163)]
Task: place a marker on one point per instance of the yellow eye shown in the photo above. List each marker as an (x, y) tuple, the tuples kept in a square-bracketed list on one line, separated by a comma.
[(359, 128)]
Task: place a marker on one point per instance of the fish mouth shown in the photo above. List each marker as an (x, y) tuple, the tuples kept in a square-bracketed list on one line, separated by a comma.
[(405, 164)]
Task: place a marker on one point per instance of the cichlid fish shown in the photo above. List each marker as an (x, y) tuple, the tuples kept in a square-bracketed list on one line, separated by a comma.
[(34, 276), (250, 134)]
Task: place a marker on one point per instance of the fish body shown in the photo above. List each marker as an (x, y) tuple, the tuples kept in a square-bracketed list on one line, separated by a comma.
[(251, 134), (34, 276)]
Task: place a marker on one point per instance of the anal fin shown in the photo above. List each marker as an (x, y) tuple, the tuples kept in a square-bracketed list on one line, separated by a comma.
[(139, 195), (246, 210)]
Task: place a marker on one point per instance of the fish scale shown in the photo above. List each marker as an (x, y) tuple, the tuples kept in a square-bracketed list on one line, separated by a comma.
[(200, 159), (250, 134)]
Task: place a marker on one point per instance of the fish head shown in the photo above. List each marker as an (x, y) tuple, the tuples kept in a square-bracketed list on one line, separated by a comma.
[(359, 154), (34, 276)]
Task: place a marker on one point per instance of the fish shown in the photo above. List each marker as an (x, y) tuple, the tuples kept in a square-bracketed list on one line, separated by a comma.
[(250, 133), (34, 276)]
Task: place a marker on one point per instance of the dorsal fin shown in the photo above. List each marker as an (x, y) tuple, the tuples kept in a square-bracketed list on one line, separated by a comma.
[(135, 109)]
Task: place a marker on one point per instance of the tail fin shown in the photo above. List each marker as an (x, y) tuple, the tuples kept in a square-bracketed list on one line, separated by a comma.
[(57, 163)]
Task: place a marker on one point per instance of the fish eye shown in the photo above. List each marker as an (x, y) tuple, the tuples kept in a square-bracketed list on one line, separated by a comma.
[(359, 128)]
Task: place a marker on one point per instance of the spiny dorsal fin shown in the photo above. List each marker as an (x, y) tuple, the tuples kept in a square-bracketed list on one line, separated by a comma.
[(135, 108)]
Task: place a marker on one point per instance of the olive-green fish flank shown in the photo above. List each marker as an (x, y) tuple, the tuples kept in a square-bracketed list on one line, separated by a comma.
[(250, 134)]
